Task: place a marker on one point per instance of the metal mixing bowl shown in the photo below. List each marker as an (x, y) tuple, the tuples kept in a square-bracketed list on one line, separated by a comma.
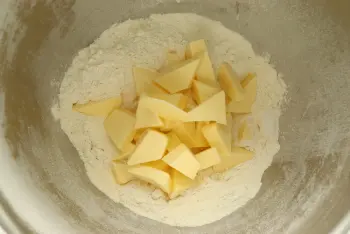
[(43, 184)]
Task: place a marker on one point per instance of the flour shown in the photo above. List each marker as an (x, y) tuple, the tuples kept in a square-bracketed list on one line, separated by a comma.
[(104, 68)]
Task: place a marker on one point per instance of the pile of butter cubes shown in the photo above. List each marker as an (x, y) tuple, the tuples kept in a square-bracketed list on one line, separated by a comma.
[(181, 122)]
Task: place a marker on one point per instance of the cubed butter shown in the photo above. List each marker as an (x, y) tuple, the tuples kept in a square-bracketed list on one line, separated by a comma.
[(237, 157), (178, 99), (195, 47), (205, 71), (173, 141), (153, 89), (208, 158), (151, 147), (186, 132), (173, 58), (182, 160), (145, 118), (153, 176), (180, 184), (143, 77), (126, 152), (229, 81), (119, 126), (245, 106), (219, 137), (98, 108), (203, 91), (162, 108), (138, 134), (121, 173), (201, 141), (213, 109), (178, 77), (159, 164)]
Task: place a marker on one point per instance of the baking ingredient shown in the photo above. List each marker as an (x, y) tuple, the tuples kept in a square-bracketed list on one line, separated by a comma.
[(182, 160), (159, 164), (152, 147), (145, 118), (126, 151), (208, 158), (180, 183), (173, 58), (229, 81), (98, 108), (119, 126), (105, 67), (219, 137), (203, 91), (143, 77), (249, 85), (236, 157), (178, 77), (152, 175), (121, 173), (173, 141), (162, 108), (178, 99), (213, 109)]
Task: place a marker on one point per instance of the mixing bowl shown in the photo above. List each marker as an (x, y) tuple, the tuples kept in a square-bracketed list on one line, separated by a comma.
[(44, 188)]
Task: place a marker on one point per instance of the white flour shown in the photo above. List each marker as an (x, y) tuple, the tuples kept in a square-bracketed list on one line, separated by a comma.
[(104, 68)]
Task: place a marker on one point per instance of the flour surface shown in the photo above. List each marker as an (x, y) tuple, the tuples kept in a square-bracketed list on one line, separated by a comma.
[(104, 69)]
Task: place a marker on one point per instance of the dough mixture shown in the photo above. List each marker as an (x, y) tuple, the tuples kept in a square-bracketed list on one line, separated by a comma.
[(104, 69)]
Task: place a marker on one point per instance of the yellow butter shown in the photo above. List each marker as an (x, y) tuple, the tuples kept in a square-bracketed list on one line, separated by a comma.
[(143, 77), (237, 157), (153, 89), (121, 173), (119, 126), (180, 183), (182, 159), (145, 118), (178, 77), (126, 152), (98, 108), (159, 164), (203, 91), (208, 158), (201, 142), (186, 132), (173, 141), (151, 147), (245, 106), (229, 81), (219, 137), (195, 47), (205, 71), (153, 176), (162, 108), (177, 99), (213, 109)]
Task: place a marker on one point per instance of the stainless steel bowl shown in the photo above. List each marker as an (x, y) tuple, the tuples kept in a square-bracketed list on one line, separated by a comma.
[(307, 190)]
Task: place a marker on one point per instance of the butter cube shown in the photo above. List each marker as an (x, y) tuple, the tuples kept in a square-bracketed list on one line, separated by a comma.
[(119, 126), (237, 157), (145, 118), (169, 125), (126, 152), (153, 89), (205, 71), (208, 158), (152, 147), (245, 106), (213, 109), (178, 77), (143, 77), (178, 99), (186, 132), (139, 133), (202, 91), (153, 176), (182, 159), (121, 173), (195, 47), (173, 141), (229, 81), (98, 108), (162, 108), (159, 164), (201, 141), (219, 137), (180, 183)]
